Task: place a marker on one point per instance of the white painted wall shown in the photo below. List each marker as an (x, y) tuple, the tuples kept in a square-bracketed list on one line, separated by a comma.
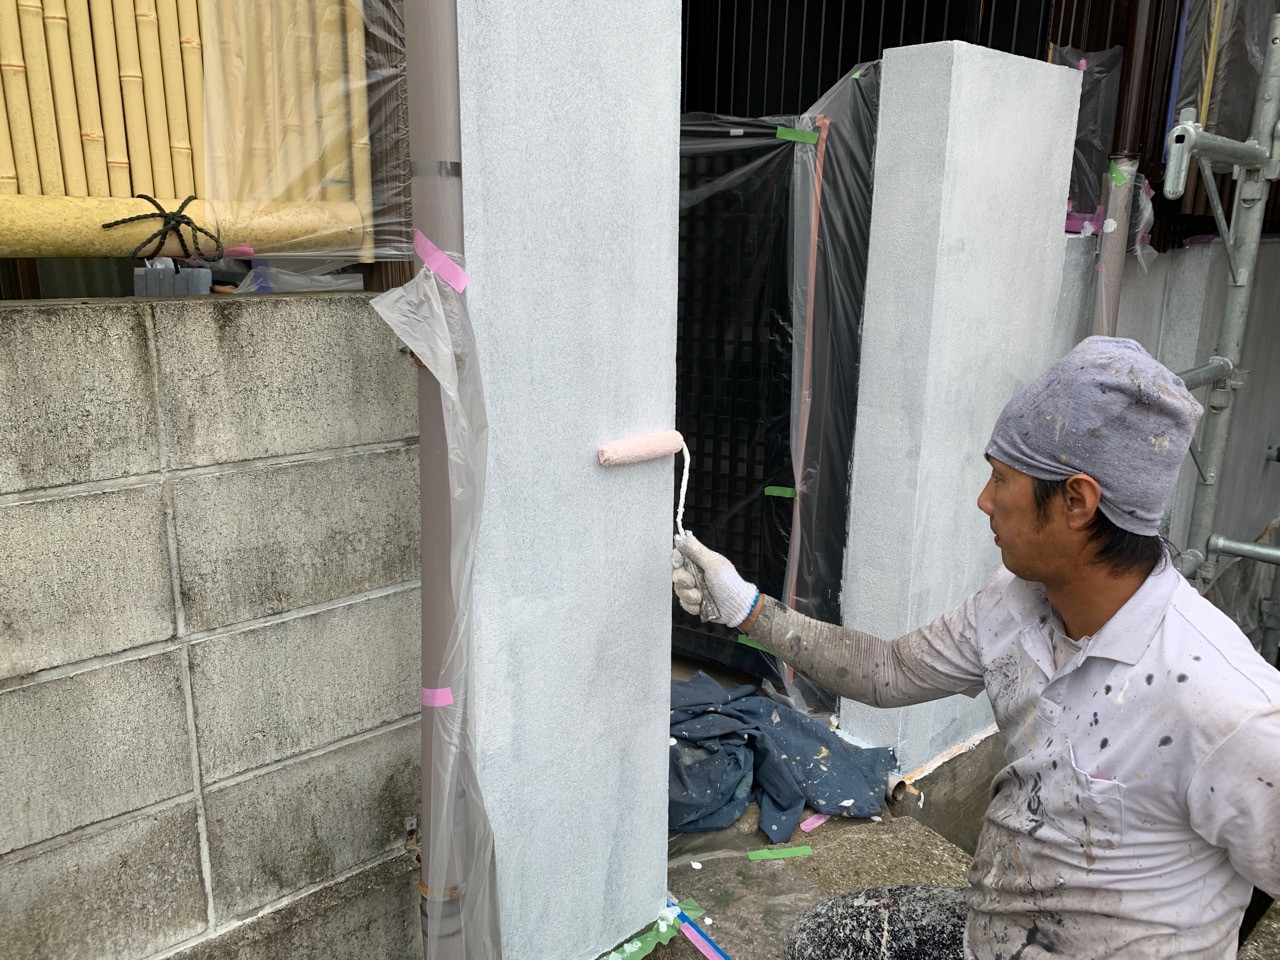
[(965, 267), (570, 134)]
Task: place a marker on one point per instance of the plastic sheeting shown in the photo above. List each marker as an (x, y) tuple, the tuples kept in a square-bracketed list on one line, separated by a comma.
[(460, 902), (305, 105), (1099, 94), (774, 220), (1222, 47)]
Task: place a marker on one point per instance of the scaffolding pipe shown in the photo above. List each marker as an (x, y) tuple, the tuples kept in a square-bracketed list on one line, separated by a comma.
[(1216, 369), (1225, 546), (1244, 235)]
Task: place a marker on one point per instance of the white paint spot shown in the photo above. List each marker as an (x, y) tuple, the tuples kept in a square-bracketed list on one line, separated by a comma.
[(673, 741), (708, 921), (846, 803), (877, 819), (1160, 444), (1108, 225), (1086, 229), (695, 864)]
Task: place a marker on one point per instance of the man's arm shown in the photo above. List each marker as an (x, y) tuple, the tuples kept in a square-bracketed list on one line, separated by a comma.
[(1234, 799), (935, 661)]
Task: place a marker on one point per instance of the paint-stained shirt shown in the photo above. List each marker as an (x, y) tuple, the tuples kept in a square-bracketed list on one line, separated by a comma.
[(1141, 798)]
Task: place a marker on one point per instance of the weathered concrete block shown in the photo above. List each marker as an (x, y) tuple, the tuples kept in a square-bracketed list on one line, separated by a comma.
[(82, 576), (304, 822), (129, 891), (263, 376), (260, 541), (77, 394), (293, 686), (370, 916), (91, 746)]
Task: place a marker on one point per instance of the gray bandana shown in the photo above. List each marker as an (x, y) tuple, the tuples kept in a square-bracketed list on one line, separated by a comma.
[(1110, 410)]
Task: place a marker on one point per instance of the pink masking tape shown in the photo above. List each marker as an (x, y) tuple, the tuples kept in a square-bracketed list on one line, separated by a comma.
[(238, 253), (1083, 64), (696, 938), (814, 822), (437, 698), (440, 262)]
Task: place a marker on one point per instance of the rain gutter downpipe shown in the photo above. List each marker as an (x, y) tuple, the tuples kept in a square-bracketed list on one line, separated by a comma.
[(435, 150), (1258, 162)]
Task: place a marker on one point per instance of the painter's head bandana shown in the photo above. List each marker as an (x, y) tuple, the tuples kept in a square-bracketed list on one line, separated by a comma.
[(1110, 410)]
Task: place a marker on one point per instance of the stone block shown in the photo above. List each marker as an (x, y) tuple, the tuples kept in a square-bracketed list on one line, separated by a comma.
[(91, 746), (77, 394), (127, 891), (947, 339), (372, 915), (304, 822), (264, 376), (261, 541), (290, 687), (82, 576)]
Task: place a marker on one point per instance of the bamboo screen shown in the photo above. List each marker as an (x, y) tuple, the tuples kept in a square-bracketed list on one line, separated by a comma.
[(260, 109)]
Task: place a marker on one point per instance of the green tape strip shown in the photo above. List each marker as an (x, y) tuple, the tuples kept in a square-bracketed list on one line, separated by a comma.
[(857, 74), (748, 642), (659, 933), (788, 493), (799, 136), (1117, 175), (779, 853)]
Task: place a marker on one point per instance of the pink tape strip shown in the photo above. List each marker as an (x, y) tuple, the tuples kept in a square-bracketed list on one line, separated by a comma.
[(440, 262), (814, 822), (437, 698), (698, 941)]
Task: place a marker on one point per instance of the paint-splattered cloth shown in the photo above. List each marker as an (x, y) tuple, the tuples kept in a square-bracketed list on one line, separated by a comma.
[(732, 747), (1110, 410), (1141, 795)]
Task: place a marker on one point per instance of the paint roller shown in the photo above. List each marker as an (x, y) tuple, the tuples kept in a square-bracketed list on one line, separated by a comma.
[(642, 447)]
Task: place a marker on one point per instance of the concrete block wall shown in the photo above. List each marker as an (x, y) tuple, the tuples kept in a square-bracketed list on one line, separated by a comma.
[(209, 616)]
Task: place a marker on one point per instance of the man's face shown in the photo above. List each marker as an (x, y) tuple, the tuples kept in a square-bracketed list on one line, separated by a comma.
[(1024, 541)]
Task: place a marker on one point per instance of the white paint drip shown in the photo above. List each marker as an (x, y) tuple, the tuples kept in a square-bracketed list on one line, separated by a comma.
[(695, 864), (684, 489)]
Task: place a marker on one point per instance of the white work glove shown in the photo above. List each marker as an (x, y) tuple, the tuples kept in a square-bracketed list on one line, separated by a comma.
[(708, 586)]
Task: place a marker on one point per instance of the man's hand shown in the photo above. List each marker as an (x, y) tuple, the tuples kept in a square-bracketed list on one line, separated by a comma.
[(707, 584)]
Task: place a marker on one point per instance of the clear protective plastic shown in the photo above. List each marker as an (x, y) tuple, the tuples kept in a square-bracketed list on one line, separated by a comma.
[(1222, 47), (775, 223), (459, 876), (167, 127), (306, 119), (1095, 124)]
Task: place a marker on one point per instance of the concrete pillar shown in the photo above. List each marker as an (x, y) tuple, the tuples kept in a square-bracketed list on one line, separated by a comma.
[(570, 136), (972, 163)]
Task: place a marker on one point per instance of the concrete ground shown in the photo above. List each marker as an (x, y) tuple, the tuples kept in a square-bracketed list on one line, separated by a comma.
[(752, 904)]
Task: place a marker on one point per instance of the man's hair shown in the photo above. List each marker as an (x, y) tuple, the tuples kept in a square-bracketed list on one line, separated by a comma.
[(1120, 551)]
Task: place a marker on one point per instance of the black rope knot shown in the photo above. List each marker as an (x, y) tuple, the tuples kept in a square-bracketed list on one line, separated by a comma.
[(171, 223)]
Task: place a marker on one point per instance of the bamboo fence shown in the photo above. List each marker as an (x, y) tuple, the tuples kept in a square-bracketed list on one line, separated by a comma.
[(258, 108)]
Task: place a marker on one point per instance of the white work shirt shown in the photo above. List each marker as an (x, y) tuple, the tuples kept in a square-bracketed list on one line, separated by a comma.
[(1141, 800)]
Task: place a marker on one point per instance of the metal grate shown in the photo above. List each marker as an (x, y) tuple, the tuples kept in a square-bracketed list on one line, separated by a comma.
[(754, 58), (733, 352)]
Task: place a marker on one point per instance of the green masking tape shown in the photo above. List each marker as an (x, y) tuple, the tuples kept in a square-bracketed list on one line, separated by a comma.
[(788, 493), (748, 642), (648, 941), (799, 136), (857, 74), (1117, 175), (779, 853)]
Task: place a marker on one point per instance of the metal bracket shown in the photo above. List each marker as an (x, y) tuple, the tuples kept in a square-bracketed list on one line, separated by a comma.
[(1195, 458), (1224, 230)]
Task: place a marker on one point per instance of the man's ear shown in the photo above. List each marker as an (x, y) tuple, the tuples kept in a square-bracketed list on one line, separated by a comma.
[(1080, 500)]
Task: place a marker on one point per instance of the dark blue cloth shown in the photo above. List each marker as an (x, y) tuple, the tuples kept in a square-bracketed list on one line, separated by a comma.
[(732, 747)]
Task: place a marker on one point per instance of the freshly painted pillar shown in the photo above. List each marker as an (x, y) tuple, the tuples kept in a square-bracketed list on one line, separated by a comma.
[(972, 162), (570, 138)]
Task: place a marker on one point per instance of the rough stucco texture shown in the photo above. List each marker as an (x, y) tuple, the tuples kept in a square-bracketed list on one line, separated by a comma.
[(570, 129), (965, 268)]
